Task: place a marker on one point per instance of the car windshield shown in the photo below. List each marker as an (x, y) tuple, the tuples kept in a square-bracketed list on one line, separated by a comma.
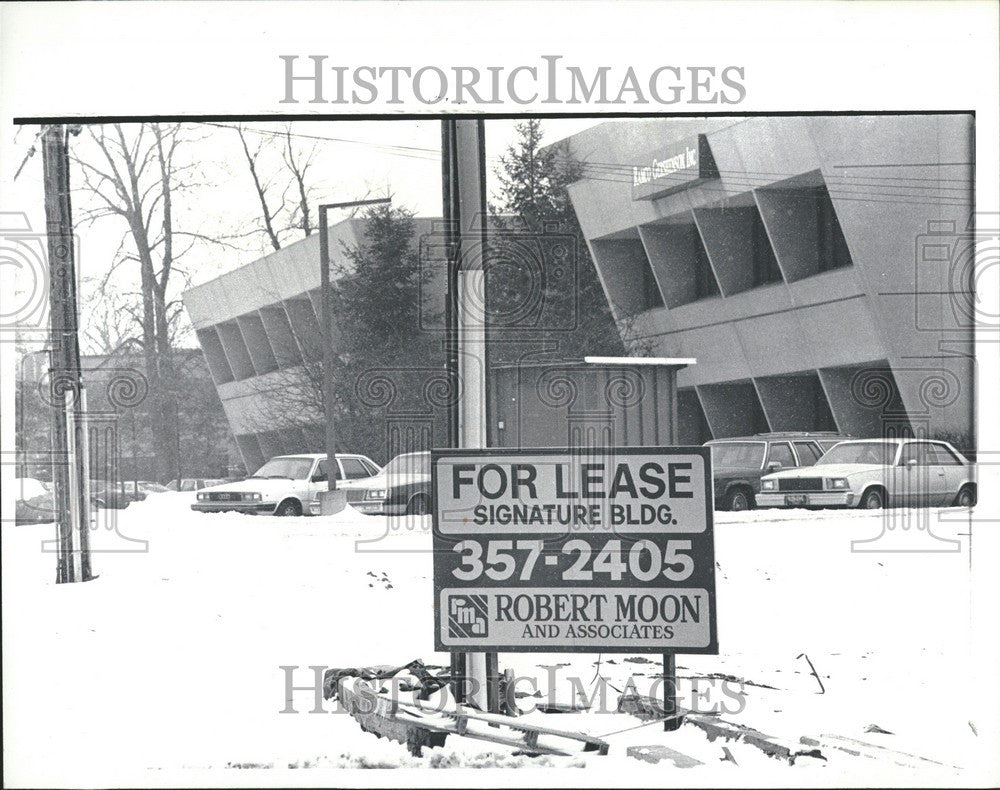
[(154, 487), (410, 464), (738, 454), (880, 453), (292, 468)]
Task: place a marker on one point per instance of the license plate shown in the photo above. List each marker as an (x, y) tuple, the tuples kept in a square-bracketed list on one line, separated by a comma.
[(796, 499)]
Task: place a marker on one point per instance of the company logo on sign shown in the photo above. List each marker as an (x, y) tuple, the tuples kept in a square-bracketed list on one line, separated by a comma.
[(467, 616), (678, 166), (665, 167)]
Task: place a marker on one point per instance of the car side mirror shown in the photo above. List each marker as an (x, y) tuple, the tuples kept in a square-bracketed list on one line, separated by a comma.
[(320, 477), (911, 462), (774, 466)]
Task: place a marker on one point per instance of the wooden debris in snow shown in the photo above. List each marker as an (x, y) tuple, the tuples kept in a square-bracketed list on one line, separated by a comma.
[(419, 726), (658, 753), (771, 745)]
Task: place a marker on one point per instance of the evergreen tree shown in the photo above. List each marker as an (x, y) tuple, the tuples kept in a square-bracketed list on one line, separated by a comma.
[(534, 205)]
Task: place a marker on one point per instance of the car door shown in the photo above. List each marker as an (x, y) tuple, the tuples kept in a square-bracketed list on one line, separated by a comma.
[(952, 472), (354, 468), (781, 453), (913, 477)]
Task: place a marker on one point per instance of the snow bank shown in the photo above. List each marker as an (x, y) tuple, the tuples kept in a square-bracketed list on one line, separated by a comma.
[(172, 658)]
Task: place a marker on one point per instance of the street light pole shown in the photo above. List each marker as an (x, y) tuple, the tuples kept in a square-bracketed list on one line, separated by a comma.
[(330, 503)]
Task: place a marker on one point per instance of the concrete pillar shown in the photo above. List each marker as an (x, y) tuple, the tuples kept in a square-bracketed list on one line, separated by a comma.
[(261, 353), (236, 350), (215, 355), (732, 409), (286, 349)]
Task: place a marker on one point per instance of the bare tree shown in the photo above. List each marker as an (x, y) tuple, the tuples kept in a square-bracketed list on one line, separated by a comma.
[(298, 162), (113, 318), (268, 214), (134, 175)]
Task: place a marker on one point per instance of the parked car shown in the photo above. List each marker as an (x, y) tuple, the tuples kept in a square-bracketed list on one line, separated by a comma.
[(123, 493), (739, 463), (287, 485), (403, 487), (876, 473)]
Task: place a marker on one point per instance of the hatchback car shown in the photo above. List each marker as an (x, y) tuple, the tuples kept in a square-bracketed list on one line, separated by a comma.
[(287, 485), (739, 463), (876, 473)]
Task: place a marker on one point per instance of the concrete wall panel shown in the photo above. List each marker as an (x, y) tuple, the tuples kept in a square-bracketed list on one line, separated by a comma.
[(236, 350), (215, 356), (257, 343), (279, 333)]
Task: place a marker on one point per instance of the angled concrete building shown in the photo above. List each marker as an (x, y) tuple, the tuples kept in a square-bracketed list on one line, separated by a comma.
[(259, 328), (818, 268)]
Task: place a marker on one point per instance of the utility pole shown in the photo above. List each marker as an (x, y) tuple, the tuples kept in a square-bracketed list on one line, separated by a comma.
[(331, 501), (70, 457), (463, 158)]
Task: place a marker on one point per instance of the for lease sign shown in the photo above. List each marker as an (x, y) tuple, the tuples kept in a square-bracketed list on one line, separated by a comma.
[(557, 550)]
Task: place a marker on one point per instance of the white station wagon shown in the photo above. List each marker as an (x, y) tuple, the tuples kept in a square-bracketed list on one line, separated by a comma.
[(876, 473), (287, 485)]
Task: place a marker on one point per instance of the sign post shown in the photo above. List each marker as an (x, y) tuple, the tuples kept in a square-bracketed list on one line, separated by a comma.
[(551, 550)]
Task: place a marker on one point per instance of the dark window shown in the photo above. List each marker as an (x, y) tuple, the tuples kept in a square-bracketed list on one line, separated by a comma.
[(781, 452), (372, 469), (704, 279), (323, 469), (832, 252), (650, 290), (914, 451), (939, 454), (765, 265), (808, 453), (353, 468)]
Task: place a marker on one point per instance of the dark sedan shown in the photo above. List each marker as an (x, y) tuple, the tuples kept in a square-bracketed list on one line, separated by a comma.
[(739, 463)]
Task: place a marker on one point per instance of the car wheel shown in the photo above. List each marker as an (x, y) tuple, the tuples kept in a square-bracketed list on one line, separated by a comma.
[(739, 499), (97, 503), (874, 499), (418, 506), (966, 497), (290, 507)]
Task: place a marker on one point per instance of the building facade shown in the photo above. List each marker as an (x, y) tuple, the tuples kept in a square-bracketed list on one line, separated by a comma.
[(259, 327), (819, 268)]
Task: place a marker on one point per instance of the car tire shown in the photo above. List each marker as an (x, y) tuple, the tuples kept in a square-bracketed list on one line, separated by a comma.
[(739, 499), (98, 503), (418, 505), (873, 499), (288, 507), (966, 497)]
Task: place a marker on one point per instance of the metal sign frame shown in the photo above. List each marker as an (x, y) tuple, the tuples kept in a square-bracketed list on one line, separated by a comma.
[(702, 551)]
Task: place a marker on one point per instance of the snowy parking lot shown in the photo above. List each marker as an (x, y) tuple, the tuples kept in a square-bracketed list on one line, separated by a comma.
[(831, 639)]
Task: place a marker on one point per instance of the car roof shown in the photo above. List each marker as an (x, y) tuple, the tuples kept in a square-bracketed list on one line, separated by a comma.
[(783, 435), (314, 456), (881, 440)]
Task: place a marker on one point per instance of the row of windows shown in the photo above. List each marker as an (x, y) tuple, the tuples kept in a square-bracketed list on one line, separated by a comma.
[(774, 234)]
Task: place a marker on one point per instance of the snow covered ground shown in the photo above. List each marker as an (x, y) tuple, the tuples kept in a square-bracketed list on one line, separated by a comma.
[(167, 668)]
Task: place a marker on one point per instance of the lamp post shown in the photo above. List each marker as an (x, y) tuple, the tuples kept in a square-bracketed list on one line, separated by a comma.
[(330, 503)]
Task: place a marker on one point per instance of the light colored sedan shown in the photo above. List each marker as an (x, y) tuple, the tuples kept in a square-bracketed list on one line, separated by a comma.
[(876, 473)]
